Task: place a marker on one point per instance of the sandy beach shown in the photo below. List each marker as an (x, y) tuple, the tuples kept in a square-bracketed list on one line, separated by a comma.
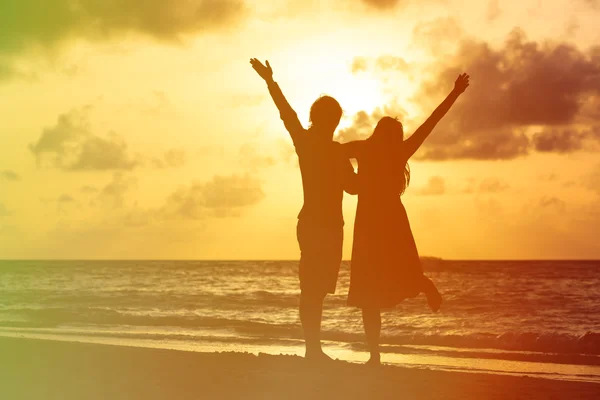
[(39, 369)]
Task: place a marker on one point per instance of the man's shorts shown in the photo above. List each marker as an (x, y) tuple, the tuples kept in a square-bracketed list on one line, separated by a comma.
[(320, 255)]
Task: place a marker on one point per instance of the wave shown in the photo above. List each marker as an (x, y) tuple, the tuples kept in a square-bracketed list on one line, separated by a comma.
[(52, 317), (172, 300), (546, 342), (252, 325)]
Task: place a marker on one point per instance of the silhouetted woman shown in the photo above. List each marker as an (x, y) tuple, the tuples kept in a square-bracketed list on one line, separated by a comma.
[(385, 263)]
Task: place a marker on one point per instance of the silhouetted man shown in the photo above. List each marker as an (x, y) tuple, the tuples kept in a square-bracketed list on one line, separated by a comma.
[(325, 176)]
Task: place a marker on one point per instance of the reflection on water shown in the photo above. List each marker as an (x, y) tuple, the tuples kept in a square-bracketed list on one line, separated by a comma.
[(524, 306)]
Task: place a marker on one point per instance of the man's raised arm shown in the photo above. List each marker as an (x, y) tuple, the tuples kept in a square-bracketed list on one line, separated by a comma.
[(286, 112)]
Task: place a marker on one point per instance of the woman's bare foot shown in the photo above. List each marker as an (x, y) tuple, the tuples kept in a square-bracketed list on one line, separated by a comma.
[(434, 298)]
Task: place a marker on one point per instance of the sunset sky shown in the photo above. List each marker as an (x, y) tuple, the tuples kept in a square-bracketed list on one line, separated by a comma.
[(138, 129)]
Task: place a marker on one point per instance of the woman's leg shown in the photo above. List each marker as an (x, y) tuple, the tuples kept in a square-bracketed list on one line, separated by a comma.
[(372, 323), (434, 298)]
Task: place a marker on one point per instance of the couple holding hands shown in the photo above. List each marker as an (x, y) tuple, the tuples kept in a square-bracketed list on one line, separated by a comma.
[(385, 266)]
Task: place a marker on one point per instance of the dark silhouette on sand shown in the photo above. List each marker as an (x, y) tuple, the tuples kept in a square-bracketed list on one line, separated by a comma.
[(326, 173), (385, 267)]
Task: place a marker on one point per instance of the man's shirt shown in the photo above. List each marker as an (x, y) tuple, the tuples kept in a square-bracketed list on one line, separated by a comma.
[(326, 173)]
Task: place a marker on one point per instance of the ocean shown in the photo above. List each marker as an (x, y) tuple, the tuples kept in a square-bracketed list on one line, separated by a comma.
[(535, 318)]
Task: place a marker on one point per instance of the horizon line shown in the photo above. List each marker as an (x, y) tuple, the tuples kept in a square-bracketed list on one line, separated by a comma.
[(282, 259)]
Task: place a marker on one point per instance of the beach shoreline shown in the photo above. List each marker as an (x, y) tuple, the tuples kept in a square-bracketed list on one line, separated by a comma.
[(44, 369)]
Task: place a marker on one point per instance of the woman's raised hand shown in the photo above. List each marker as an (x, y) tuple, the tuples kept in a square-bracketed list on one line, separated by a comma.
[(462, 83)]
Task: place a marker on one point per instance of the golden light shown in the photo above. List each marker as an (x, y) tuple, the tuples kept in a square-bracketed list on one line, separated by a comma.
[(326, 71), (358, 93)]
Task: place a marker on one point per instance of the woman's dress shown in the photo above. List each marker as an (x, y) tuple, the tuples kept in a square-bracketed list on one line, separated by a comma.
[(385, 265)]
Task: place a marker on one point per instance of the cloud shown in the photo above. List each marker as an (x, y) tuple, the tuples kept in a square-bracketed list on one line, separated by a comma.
[(486, 185), (359, 64), (496, 145), (64, 202), (548, 177), (565, 140), (493, 11), (435, 186), (524, 83), (88, 189), (436, 36), (286, 152), (363, 123), (361, 128), (65, 198), (592, 180), (492, 185), (4, 212), (380, 64), (69, 128), (7, 71), (552, 204), (223, 196), (595, 4), (10, 175), (174, 158), (391, 62), (31, 23), (251, 157), (9, 231), (98, 153), (244, 100), (11, 69), (382, 4), (71, 146), (115, 221), (113, 194), (220, 197), (514, 87)]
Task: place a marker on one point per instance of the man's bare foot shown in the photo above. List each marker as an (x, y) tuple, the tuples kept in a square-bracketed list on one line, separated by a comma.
[(374, 360), (317, 356), (434, 298)]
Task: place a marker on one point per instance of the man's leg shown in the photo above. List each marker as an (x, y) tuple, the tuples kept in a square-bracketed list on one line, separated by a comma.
[(321, 255), (311, 311)]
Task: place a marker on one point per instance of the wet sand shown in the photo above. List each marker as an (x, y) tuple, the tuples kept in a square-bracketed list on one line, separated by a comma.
[(39, 369)]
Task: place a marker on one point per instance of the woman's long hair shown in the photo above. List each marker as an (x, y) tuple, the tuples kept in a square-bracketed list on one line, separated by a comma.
[(388, 136)]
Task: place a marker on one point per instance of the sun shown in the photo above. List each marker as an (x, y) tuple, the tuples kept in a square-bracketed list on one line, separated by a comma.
[(313, 67), (326, 70), (358, 93)]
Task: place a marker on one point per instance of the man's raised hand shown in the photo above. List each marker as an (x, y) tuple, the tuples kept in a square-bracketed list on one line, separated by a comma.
[(265, 72)]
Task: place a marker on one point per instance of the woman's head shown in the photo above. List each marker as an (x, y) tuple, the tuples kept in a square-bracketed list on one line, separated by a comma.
[(388, 130), (325, 114), (388, 136)]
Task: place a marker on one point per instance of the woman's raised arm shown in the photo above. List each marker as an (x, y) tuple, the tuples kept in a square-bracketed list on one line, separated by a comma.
[(412, 144)]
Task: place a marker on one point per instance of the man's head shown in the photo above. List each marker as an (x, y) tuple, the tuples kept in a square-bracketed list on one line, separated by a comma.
[(325, 115)]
